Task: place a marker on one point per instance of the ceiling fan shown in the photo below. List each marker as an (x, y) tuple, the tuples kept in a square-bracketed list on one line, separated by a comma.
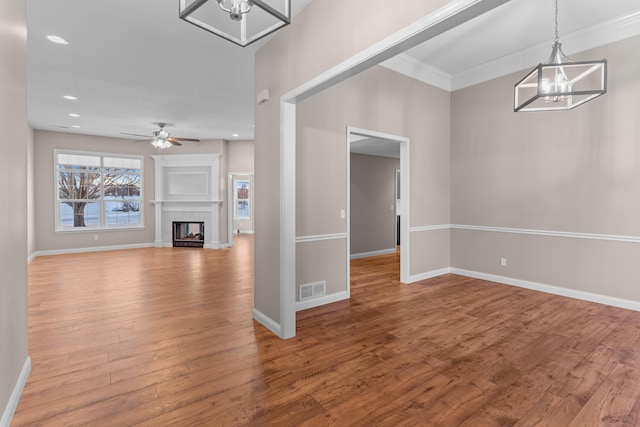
[(161, 138)]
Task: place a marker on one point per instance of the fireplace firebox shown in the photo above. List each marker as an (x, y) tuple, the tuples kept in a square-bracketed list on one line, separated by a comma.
[(188, 234)]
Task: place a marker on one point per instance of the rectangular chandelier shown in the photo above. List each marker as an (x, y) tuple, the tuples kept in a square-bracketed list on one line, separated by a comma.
[(561, 86), (240, 21), (561, 83)]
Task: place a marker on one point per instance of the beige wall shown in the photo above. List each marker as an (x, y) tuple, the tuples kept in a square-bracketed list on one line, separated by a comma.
[(373, 221), (570, 171), (31, 190), (241, 157), (46, 142), (224, 173), (575, 171), (13, 193), (295, 55), (384, 101)]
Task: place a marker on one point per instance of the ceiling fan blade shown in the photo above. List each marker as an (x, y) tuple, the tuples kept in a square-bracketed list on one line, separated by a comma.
[(135, 134), (184, 139), (143, 140), (172, 140)]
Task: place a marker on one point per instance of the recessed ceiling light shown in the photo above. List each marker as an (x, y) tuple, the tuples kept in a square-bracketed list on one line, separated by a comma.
[(72, 98), (235, 134), (75, 126), (74, 115), (57, 40)]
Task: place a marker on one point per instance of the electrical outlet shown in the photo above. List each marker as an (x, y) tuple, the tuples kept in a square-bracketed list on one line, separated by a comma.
[(342, 214), (96, 237), (503, 262)]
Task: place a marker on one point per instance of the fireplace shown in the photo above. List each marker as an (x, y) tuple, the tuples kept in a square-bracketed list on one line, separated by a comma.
[(188, 234), (187, 189)]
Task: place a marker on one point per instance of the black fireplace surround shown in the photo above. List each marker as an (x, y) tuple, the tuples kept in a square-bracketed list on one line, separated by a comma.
[(188, 234)]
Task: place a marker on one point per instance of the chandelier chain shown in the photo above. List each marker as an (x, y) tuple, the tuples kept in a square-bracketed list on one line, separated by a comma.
[(557, 39)]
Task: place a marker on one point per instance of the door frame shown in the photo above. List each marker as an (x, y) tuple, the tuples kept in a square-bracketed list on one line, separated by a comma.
[(404, 201), (437, 22), (231, 203)]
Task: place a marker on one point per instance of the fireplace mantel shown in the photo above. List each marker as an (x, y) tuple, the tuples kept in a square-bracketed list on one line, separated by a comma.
[(187, 188)]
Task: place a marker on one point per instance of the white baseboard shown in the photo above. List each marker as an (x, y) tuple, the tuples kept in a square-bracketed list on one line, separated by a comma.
[(374, 253), (317, 302), (214, 245), (246, 232), (12, 405), (267, 322), (91, 249), (429, 275), (556, 290), (31, 258)]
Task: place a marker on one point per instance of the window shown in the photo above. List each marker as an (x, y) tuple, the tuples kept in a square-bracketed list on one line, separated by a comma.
[(242, 199), (97, 191)]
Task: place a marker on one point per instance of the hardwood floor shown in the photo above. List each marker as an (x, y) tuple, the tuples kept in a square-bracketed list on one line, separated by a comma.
[(159, 337)]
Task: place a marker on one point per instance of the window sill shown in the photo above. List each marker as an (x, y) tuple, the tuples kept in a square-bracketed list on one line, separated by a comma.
[(97, 230)]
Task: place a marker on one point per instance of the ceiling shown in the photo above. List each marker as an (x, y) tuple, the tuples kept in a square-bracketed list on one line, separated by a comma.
[(374, 146), (133, 63)]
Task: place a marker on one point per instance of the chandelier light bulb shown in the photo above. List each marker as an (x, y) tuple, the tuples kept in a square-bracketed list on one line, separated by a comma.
[(237, 10)]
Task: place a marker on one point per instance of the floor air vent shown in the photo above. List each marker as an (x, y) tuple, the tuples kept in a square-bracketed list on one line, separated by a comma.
[(311, 290)]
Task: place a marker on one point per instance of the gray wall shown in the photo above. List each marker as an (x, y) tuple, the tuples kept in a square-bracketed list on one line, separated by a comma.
[(13, 193), (373, 222), (44, 218), (575, 171)]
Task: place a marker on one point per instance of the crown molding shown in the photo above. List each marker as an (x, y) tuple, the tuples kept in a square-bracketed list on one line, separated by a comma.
[(414, 68), (601, 34)]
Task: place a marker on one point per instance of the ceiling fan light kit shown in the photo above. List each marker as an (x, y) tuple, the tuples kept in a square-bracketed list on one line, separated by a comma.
[(240, 21), (560, 83), (161, 138), (161, 143)]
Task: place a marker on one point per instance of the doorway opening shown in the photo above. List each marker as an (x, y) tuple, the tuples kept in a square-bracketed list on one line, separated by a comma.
[(240, 210), (377, 195)]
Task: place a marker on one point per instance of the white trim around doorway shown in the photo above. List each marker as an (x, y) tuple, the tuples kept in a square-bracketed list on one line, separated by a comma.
[(447, 17), (403, 143)]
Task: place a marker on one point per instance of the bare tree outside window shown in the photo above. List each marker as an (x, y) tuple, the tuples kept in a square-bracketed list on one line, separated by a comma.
[(74, 186), (94, 192)]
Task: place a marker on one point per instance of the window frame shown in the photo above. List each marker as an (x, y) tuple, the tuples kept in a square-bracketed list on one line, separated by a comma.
[(236, 217), (102, 225)]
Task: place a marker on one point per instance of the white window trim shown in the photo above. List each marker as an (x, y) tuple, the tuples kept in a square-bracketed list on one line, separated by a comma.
[(102, 228), (236, 199)]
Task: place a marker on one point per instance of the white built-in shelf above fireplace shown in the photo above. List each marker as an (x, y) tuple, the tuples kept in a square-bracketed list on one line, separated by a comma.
[(187, 189)]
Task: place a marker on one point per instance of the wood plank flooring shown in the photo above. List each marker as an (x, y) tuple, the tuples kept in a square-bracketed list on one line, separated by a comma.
[(159, 337)]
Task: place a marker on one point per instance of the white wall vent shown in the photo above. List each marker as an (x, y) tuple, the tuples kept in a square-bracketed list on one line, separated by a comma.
[(311, 290)]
